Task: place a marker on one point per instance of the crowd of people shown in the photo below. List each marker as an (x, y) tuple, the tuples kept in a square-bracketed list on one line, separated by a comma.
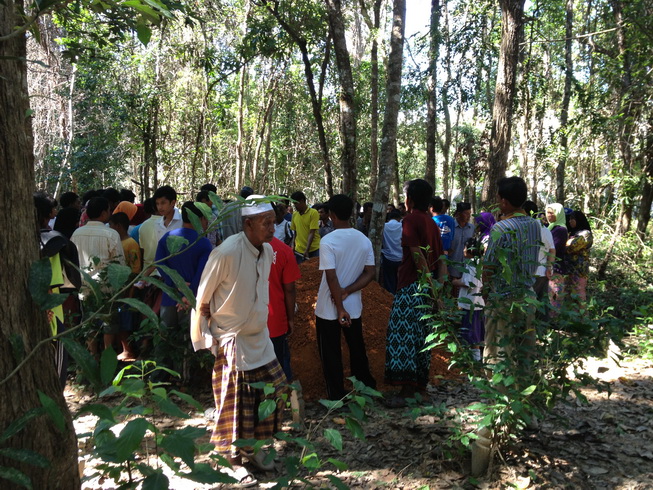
[(238, 296)]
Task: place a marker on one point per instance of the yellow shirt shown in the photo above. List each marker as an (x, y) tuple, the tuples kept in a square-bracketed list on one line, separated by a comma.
[(303, 224)]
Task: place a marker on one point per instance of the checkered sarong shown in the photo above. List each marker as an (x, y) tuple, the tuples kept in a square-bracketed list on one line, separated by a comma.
[(237, 402)]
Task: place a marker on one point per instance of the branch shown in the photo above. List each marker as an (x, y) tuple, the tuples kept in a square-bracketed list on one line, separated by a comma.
[(30, 21)]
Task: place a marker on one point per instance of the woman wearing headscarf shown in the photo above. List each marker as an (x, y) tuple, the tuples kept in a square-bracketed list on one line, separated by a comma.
[(555, 215), (129, 208), (484, 223), (577, 255)]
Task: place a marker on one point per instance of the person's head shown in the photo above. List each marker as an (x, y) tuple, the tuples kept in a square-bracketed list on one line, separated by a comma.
[(203, 196), (446, 204), (45, 207), (340, 207), (484, 223), (98, 209), (473, 248), (149, 206), (279, 212), (120, 223), (402, 208), (127, 195), (258, 220), (88, 195), (113, 196), (391, 207), (531, 209), (393, 215), (512, 194), (165, 198), (418, 194), (555, 215), (246, 191), (577, 222), (70, 200), (436, 205), (190, 207), (300, 201), (367, 209), (323, 210), (67, 221), (463, 213), (129, 208), (209, 188)]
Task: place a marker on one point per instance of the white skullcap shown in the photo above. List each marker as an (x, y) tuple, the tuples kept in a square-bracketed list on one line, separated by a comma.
[(251, 208)]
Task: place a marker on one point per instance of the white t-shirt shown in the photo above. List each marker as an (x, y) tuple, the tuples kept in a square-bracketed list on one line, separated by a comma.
[(473, 290), (391, 248), (547, 244), (347, 251)]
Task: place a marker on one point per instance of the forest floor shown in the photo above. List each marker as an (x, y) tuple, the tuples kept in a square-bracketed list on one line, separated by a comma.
[(606, 444)]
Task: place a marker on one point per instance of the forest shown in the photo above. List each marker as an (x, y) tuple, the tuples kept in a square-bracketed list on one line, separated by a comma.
[(326, 97)]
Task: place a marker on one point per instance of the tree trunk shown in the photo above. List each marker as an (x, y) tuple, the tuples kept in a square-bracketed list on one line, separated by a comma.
[(447, 174), (21, 322), (347, 110), (564, 112), (432, 87), (389, 130), (647, 189), (512, 19), (240, 160)]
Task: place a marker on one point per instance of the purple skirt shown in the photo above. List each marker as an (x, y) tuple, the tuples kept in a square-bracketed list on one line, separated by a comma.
[(472, 327)]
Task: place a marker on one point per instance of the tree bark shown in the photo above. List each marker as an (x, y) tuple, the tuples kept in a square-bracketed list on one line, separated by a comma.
[(432, 101), (21, 321), (240, 159), (347, 125), (512, 21), (647, 189), (389, 130), (564, 112)]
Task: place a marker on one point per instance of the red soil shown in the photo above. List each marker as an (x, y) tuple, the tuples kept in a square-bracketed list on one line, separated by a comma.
[(305, 360)]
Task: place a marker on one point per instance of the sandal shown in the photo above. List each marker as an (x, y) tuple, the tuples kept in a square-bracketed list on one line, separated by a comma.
[(395, 402), (257, 460), (244, 479)]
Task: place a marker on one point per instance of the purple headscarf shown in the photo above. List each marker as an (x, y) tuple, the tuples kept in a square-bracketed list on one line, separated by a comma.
[(485, 222)]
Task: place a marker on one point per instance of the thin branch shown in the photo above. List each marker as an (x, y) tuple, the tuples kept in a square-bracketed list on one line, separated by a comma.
[(30, 21), (581, 36)]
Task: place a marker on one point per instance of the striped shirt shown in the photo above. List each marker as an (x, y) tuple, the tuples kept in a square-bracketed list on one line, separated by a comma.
[(512, 253)]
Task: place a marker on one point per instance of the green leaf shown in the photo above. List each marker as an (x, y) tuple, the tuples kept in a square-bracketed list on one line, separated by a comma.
[(17, 425), (356, 411), (170, 291), (40, 277), (332, 404), (108, 365), (141, 308), (130, 438), (25, 456), (179, 282), (188, 399), (355, 428), (195, 221), (203, 473), (528, 390), (266, 408), (311, 461), (340, 465), (97, 409), (144, 34), (118, 275), (168, 406), (156, 481), (334, 437), (175, 243), (215, 199), (15, 476), (337, 482), (53, 411), (84, 360), (181, 443)]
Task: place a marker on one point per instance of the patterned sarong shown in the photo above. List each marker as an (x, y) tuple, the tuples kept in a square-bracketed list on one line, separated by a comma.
[(405, 363), (237, 402)]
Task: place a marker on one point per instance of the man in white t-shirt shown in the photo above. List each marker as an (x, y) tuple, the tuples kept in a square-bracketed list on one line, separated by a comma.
[(347, 259)]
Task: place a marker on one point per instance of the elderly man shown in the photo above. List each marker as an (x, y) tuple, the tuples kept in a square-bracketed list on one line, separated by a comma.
[(232, 321)]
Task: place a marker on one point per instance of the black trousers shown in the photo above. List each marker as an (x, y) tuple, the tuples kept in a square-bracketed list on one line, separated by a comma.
[(328, 344)]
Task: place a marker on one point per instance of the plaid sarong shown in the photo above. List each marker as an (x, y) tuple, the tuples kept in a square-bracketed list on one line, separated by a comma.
[(237, 402)]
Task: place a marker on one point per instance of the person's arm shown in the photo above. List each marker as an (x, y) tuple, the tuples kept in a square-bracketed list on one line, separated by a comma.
[(550, 259), (421, 265), (289, 296), (336, 293), (311, 235), (363, 280)]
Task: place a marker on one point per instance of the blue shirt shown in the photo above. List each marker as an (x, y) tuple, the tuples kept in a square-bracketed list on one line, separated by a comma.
[(189, 263), (447, 229)]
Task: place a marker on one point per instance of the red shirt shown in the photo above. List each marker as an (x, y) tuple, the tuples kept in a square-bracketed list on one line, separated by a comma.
[(284, 270), (418, 230)]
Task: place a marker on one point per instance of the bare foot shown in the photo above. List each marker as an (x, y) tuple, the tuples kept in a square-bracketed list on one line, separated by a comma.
[(127, 356)]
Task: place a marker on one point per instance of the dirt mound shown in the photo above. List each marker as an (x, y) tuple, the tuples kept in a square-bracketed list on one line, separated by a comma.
[(305, 359)]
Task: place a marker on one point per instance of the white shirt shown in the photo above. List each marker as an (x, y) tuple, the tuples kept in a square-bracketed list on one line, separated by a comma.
[(391, 248), (235, 283), (471, 277), (147, 239), (96, 240), (547, 244), (175, 223), (347, 251)]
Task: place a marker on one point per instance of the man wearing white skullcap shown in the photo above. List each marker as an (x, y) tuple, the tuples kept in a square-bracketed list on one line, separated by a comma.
[(231, 320)]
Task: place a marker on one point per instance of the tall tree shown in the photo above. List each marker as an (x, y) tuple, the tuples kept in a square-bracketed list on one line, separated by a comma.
[(23, 326), (432, 100), (566, 96), (512, 22), (347, 110), (389, 131)]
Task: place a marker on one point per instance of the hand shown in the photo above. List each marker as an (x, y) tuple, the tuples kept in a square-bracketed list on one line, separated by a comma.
[(549, 272), (343, 294), (290, 327), (184, 305), (343, 318), (205, 310)]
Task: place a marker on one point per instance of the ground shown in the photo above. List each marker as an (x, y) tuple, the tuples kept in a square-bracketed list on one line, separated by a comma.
[(605, 444)]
